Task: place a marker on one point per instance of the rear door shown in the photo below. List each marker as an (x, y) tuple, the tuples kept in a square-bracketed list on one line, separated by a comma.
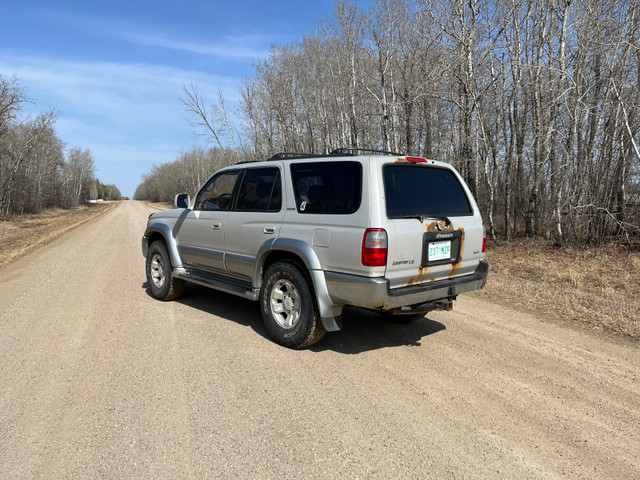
[(436, 230), (256, 218)]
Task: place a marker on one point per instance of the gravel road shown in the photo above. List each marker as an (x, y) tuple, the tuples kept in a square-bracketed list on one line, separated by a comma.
[(99, 380)]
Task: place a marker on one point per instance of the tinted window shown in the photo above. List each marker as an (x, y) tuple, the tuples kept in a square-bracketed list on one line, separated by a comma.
[(416, 190), (217, 194), (260, 190), (328, 187)]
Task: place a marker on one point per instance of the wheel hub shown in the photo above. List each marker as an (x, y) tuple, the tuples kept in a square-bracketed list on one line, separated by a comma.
[(157, 270), (285, 304), (288, 304)]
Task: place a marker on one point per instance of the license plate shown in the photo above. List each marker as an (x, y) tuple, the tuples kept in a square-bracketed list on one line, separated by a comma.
[(439, 251)]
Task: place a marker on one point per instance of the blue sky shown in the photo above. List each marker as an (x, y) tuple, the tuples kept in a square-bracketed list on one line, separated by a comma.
[(114, 69)]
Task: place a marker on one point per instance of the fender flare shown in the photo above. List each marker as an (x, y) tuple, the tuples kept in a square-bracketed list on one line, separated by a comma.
[(330, 313), (166, 233), (297, 247)]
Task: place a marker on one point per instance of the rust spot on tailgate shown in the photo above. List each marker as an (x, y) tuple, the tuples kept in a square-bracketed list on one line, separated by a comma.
[(456, 266), (422, 272), (439, 226), (442, 226)]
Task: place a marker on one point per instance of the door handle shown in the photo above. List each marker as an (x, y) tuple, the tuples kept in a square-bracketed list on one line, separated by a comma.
[(216, 226), (269, 230)]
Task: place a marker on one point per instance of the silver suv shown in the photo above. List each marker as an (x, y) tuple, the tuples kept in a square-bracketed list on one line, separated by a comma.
[(306, 235)]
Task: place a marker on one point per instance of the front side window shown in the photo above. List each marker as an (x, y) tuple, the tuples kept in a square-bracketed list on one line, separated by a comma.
[(260, 191), (217, 194), (327, 187), (431, 192)]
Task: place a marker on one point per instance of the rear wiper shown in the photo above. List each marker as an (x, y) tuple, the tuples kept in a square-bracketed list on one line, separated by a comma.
[(417, 215)]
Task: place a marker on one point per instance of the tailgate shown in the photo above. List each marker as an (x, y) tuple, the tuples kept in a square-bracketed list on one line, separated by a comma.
[(432, 250), (435, 230)]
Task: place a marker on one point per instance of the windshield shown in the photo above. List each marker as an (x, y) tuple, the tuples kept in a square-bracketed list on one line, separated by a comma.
[(412, 190)]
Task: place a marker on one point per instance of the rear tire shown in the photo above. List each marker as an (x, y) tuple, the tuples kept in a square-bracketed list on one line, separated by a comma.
[(162, 284), (288, 307)]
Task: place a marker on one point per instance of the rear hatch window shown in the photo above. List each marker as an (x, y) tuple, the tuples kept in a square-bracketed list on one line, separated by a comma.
[(415, 190)]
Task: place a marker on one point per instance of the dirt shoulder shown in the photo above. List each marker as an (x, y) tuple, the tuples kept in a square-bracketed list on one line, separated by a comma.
[(593, 287), (24, 234), (160, 205)]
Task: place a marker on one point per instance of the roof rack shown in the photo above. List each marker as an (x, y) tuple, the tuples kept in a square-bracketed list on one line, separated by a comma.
[(358, 151)]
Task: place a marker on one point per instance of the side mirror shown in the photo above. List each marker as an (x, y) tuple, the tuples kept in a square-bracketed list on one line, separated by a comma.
[(181, 200)]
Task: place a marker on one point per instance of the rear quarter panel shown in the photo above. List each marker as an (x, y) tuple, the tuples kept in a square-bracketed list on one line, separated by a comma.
[(336, 239)]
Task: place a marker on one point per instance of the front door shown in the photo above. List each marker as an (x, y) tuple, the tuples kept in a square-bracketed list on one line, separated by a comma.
[(201, 236)]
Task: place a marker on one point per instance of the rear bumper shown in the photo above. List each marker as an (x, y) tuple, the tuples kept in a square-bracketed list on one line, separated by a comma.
[(374, 293)]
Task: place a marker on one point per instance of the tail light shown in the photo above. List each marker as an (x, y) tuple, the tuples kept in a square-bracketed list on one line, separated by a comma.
[(374, 248), (484, 238)]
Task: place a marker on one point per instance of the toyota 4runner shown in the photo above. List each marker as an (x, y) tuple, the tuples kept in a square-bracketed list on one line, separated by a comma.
[(306, 235)]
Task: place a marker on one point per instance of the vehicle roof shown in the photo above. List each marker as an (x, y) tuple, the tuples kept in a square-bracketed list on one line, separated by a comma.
[(344, 154)]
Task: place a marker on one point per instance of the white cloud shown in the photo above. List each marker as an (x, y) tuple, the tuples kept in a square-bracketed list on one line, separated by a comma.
[(128, 114), (242, 48), (108, 86), (229, 48)]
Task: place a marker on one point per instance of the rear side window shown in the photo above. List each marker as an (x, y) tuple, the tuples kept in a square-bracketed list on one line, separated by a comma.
[(416, 190), (327, 187), (260, 191)]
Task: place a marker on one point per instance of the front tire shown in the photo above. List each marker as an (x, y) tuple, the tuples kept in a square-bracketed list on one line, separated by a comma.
[(288, 307), (162, 284)]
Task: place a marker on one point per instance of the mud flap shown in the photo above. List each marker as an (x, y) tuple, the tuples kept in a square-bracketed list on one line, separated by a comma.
[(332, 324)]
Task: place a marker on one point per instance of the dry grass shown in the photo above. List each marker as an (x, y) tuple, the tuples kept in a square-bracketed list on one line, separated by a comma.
[(597, 287), (160, 205), (27, 233)]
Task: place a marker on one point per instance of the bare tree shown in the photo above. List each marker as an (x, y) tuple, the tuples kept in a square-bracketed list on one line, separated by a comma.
[(79, 174), (203, 119), (20, 145), (537, 103)]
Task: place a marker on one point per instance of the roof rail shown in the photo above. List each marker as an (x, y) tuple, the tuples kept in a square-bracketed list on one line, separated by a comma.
[(358, 151), (246, 161), (335, 153), (291, 155)]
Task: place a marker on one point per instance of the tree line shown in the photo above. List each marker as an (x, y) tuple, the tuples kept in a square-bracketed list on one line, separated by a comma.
[(536, 103), (35, 170), (186, 174)]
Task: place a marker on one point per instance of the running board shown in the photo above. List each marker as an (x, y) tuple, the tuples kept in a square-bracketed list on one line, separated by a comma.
[(218, 282)]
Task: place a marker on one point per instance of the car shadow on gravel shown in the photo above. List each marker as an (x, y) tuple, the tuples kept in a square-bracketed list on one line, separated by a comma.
[(363, 330), (224, 305)]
